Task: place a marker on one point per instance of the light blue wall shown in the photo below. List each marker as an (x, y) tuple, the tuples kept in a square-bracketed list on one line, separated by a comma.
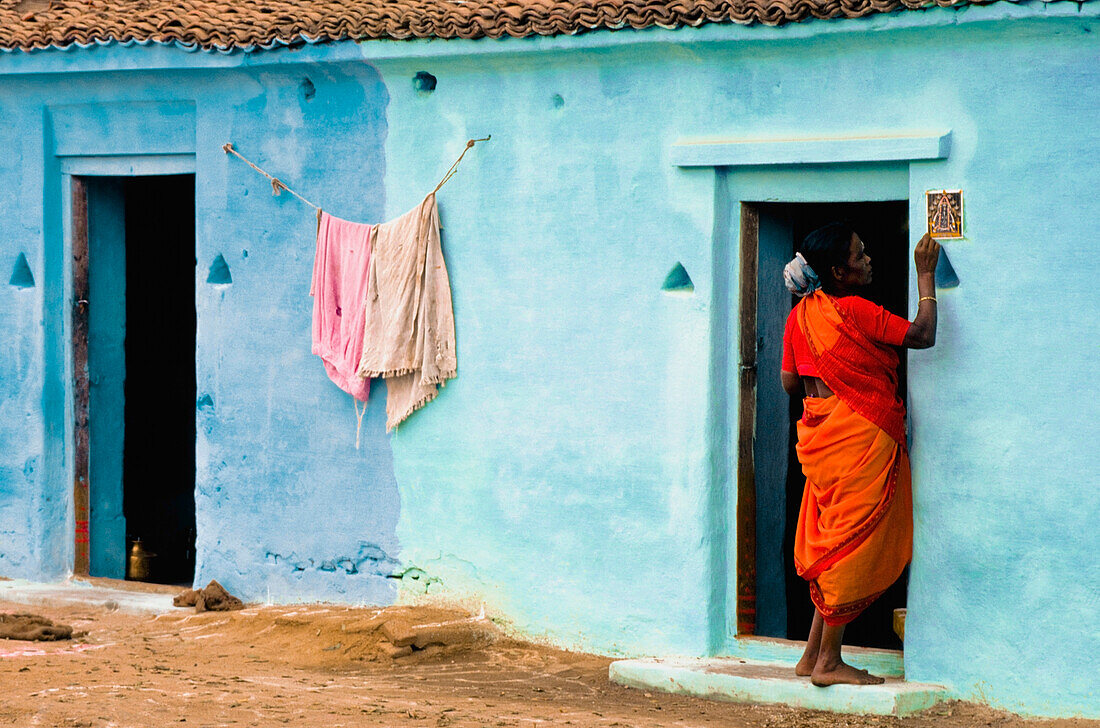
[(287, 508), (575, 477)]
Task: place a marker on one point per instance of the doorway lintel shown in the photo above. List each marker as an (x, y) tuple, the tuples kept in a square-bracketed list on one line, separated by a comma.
[(855, 149), (118, 165)]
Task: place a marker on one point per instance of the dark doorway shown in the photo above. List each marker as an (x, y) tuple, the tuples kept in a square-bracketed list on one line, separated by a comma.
[(159, 457), (134, 356), (782, 602)]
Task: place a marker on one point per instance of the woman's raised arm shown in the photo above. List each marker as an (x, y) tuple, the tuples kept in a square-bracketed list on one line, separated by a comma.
[(922, 332)]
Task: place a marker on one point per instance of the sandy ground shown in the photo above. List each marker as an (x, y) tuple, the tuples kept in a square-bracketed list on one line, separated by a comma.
[(335, 666)]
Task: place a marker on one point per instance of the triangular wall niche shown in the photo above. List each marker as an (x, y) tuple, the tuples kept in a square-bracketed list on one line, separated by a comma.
[(678, 281), (219, 272), (21, 276)]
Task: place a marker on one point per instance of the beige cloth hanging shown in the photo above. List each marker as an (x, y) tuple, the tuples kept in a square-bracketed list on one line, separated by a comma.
[(409, 333)]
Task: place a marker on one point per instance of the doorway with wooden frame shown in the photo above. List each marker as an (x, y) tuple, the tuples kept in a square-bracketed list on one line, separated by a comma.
[(772, 600), (133, 345)]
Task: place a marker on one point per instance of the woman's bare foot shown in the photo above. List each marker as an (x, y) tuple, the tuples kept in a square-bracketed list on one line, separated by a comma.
[(841, 673), (830, 669), (805, 666)]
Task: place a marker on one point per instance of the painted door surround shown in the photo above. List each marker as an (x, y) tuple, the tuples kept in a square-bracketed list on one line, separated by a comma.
[(116, 139), (873, 167)]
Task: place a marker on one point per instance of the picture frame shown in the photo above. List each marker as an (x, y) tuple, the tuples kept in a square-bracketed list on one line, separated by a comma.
[(945, 213)]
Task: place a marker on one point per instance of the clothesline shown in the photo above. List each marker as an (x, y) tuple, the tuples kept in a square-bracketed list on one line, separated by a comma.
[(277, 185)]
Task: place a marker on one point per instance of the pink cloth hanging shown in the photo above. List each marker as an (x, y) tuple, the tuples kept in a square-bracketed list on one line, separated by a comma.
[(341, 269)]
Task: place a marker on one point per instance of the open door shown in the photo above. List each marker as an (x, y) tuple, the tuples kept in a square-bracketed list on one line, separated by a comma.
[(134, 374), (775, 601)]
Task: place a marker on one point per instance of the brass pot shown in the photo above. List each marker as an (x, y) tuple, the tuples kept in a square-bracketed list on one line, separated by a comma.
[(899, 623), (139, 562)]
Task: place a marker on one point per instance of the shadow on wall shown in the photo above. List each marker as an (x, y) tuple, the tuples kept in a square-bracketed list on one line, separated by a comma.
[(287, 508), (349, 552)]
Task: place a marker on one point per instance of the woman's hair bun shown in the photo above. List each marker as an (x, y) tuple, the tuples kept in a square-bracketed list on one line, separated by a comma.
[(826, 247)]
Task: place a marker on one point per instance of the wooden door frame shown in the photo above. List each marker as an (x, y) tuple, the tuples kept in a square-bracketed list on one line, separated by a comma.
[(746, 421), (81, 510)]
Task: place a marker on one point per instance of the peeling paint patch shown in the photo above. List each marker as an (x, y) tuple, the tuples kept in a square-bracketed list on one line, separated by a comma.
[(370, 560), (416, 580)]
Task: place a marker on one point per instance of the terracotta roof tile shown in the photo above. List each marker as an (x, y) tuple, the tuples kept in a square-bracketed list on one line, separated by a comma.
[(230, 24)]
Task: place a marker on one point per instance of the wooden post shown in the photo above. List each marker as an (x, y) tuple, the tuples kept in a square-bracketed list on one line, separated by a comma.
[(81, 563), (746, 425)]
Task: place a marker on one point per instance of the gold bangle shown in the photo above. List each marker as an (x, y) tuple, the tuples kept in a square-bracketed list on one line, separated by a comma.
[(927, 298)]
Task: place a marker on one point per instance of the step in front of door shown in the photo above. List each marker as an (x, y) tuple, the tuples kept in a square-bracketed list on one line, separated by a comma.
[(750, 681)]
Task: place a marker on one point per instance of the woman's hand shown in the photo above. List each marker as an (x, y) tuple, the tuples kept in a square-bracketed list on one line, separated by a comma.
[(922, 331), (926, 255)]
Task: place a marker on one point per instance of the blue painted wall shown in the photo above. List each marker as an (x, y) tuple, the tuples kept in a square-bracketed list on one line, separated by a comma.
[(575, 477), (287, 508)]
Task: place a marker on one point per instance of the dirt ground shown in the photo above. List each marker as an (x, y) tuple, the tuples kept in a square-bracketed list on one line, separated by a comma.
[(333, 666)]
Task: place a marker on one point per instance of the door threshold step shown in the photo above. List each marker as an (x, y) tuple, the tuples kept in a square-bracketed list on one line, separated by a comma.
[(752, 681), (83, 593)]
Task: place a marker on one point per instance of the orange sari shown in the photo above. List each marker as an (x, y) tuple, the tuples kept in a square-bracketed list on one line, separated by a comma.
[(855, 526)]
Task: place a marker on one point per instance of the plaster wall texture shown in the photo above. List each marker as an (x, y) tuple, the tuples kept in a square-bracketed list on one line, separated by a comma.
[(287, 509), (576, 477), (22, 461), (565, 225)]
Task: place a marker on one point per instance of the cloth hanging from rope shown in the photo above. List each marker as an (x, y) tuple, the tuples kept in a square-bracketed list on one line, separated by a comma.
[(409, 333), (408, 321), (340, 268)]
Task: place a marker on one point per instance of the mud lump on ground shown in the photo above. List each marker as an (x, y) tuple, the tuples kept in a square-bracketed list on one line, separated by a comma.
[(335, 637), (31, 627), (214, 598)]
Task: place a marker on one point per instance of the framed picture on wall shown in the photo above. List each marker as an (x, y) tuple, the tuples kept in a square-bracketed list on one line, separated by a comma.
[(945, 213)]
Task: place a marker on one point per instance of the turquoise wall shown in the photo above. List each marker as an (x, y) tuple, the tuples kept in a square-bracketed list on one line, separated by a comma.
[(576, 477)]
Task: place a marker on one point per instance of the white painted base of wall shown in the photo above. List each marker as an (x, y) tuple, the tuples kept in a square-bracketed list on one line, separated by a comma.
[(750, 681)]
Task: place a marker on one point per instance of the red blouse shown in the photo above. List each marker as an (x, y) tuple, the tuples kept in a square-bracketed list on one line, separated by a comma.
[(875, 321)]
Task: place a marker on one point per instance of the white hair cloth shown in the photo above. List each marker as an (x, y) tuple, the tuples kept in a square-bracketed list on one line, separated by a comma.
[(800, 277)]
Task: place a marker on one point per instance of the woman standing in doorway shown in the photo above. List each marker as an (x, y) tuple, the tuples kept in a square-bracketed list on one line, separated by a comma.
[(855, 526)]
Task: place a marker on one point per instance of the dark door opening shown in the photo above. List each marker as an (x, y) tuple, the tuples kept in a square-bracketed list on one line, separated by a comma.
[(140, 355), (159, 459), (782, 603)]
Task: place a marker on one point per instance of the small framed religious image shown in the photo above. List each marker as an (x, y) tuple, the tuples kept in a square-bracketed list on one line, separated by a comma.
[(945, 213)]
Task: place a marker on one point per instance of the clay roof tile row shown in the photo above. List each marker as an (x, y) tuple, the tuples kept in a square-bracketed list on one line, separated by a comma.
[(230, 24)]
